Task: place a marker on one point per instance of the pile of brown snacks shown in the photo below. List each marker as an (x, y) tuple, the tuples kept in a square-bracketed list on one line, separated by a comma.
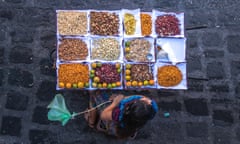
[(72, 49), (106, 49), (169, 76), (140, 72), (167, 25), (104, 23), (137, 50), (146, 24), (129, 24), (72, 23), (138, 75), (73, 74)]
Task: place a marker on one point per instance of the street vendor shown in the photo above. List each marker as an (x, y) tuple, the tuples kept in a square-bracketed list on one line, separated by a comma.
[(123, 116)]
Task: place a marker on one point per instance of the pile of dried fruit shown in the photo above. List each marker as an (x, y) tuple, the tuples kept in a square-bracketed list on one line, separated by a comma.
[(105, 49), (167, 25), (72, 49), (137, 50), (138, 75), (169, 76), (129, 24), (106, 75), (72, 23), (146, 24), (73, 76), (104, 23)]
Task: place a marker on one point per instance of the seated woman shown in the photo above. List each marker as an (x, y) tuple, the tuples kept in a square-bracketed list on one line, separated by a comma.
[(122, 116)]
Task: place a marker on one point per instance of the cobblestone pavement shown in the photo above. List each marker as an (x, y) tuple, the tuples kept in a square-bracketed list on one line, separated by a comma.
[(207, 113)]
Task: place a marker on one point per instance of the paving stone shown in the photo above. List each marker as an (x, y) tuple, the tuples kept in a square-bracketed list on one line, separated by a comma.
[(238, 133), (194, 64), (211, 39), (223, 115), (229, 17), (192, 40), (1, 77), (219, 88), (221, 138), (199, 17), (213, 54), (170, 132), (14, 1), (7, 14), (16, 101), (11, 126), (193, 4), (235, 68), (170, 106), (20, 54), (1, 55), (168, 93), (164, 3), (221, 101), (215, 70), (48, 39), (46, 91), (41, 137), (198, 129), (46, 68), (196, 107), (237, 89), (22, 35), (233, 44), (195, 84), (2, 34), (40, 115), (20, 77)]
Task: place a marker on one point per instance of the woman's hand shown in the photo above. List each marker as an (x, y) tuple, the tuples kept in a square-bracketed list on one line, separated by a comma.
[(117, 100)]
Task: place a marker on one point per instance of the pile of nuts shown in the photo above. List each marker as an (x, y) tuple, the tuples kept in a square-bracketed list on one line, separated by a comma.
[(138, 50), (140, 72), (107, 73), (104, 23), (72, 49), (72, 23), (105, 49), (167, 25)]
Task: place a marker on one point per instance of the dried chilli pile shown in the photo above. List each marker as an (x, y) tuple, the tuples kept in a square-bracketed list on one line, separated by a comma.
[(167, 25)]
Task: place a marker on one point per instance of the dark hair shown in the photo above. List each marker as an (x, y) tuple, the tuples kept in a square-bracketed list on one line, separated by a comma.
[(135, 116)]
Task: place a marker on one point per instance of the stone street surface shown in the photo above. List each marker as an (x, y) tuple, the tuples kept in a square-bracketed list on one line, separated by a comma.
[(207, 113)]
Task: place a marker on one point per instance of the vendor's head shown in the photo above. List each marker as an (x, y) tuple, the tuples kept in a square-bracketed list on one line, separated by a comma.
[(138, 112)]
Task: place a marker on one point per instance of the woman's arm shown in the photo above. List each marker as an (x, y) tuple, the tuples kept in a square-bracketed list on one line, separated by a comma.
[(107, 112)]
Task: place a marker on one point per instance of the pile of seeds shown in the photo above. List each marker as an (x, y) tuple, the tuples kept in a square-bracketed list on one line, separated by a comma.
[(73, 73), (140, 72), (167, 25), (104, 23), (169, 76), (72, 49), (72, 23), (138, 50), (105, 49)]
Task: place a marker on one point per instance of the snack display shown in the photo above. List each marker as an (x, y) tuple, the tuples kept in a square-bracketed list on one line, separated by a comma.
[(137, 49), (104, 23), (139, 76), (72, 49), (72, 22), (108, 49), (120, 49), (106, 75), (73, 75), (146, 24)]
